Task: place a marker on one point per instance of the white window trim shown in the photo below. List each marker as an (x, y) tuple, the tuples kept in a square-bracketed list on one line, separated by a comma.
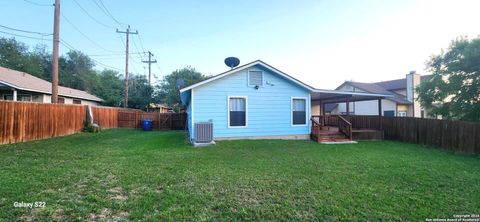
[(291, 111), (248, 76), (246, 111)]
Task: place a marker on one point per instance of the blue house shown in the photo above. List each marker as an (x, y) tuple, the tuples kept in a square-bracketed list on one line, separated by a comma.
[(258, 101)]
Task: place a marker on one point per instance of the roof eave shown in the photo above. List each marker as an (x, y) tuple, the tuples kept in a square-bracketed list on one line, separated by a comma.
[(248, 65), (49, 93), (352, 93)]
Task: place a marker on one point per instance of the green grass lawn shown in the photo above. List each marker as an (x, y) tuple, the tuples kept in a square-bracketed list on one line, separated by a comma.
[(133, 175)]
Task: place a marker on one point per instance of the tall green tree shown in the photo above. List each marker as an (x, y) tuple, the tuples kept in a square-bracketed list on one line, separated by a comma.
[(139, 92), (16, 55), (77, 71), (168, 92), (110, 88), (454, 89)]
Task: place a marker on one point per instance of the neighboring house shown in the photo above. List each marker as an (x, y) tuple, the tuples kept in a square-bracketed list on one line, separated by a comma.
[(256, 100), (402, 103), (20, 86), (158, 108)]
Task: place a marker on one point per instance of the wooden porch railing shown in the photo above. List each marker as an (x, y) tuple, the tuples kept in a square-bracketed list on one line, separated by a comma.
[(316, 127), (345, 127), (357, 121)]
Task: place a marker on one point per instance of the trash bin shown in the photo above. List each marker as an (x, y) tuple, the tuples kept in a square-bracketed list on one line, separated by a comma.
[(146, 125)]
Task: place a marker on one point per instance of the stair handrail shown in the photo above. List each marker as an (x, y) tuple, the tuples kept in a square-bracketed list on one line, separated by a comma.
[(345, 127), (316, 126)]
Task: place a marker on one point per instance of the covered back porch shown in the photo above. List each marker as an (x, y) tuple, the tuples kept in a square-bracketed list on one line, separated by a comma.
[(345, 127)]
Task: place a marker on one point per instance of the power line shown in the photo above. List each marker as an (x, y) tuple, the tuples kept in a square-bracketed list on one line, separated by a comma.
[(37, 4), (23, 36), (108, 55), (25, 31), (127, 35), (138, 51), (84, 35), (107, 12), (92, 17), (150, 61), (141, 43), (69, 46)]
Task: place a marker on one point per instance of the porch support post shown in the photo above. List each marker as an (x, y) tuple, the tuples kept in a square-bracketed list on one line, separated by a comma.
[(380, 122), (347, 101), (323, 108), (379, 107), (320, 108), (14, 95)]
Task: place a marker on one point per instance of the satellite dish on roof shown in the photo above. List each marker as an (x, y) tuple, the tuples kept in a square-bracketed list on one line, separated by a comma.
[(232, 62), (180, 83)]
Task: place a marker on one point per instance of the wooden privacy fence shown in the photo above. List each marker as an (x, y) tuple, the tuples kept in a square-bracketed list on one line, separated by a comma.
[(25, 121), (22, 121), (457, 136), (160, 121)]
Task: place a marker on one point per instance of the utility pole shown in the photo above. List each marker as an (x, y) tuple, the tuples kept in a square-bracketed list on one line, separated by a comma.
[(150, 61), (127, 33), (56, 41)]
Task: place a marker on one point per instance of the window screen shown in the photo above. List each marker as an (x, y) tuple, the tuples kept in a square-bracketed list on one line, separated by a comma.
[(77, 101), (255, 78), (238, 112), (299, 108)]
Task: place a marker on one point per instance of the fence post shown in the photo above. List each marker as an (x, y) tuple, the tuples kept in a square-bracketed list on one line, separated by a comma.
[(88, 110)]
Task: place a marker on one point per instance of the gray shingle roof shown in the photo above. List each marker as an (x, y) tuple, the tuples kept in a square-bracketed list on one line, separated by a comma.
[(387, 87), (27, 82), (399, 83)]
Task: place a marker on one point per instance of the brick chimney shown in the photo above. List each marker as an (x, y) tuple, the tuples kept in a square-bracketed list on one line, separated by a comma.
[(413, 80)]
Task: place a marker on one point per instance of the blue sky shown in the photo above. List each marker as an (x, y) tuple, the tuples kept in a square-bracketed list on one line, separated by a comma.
[(322, 43)]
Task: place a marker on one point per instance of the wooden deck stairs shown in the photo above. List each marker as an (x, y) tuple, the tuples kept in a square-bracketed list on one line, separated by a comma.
[(329, 134), (341, 130)]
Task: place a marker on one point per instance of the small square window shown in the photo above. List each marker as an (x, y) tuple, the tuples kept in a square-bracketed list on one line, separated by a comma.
[(255, 78)]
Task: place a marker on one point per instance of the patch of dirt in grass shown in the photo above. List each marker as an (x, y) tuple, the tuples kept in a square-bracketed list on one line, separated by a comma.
[(30, 215), (58, 215), (107, 215), (117, 194), (248, 196), (158, 189), (50, 191)]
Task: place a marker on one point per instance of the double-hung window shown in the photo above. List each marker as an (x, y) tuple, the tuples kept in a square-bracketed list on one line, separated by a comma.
[(237, 111), (299, 111)]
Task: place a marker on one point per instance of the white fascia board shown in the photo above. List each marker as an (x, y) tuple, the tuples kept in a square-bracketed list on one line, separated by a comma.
[(350, 93), (246, 67)]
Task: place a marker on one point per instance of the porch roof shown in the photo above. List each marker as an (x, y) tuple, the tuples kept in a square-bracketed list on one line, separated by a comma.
[(336, 96)]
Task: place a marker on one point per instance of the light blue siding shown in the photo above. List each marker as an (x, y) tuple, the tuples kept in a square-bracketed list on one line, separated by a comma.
[(268, 108)]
